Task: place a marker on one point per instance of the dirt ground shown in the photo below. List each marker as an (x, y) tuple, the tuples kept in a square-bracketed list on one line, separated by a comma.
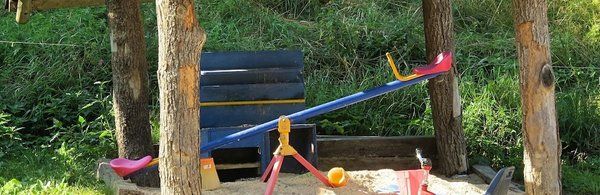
[(361, 182)]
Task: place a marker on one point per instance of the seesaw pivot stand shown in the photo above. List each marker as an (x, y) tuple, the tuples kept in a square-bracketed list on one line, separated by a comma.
[(285, 149)]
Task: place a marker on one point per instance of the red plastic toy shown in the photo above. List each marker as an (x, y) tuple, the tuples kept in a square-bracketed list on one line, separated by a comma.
[(442, 63), (124, 167)]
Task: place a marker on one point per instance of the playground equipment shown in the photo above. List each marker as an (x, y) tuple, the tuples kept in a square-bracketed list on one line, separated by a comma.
[(239, 90), (129, 168), (501, 182), (436, 67), (441, 64), (284, 149), (124, 167), (414, 182)]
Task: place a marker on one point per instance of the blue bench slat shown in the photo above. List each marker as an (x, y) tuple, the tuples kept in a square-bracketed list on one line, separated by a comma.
[(216, 133), (251, 76), (251, 60), (226, 116), (248, 92)]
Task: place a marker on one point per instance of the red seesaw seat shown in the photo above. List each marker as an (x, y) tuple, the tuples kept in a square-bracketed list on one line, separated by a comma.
[(124, 167), (441, 63)]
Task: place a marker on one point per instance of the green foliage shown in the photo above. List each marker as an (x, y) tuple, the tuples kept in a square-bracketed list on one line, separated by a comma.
[(582, 177), (60, 156), (492, 121), (9, 135), (294, 9), (55, 100), (46, 171), (580, 134)]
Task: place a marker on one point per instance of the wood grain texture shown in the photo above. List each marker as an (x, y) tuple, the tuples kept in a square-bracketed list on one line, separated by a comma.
[(130, 84), (180, 41), (373, 152), (372, 146), (443, 90), (540, 125)]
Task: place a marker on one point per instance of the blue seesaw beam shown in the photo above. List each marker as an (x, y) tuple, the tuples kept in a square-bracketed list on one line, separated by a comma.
[(315, 111)]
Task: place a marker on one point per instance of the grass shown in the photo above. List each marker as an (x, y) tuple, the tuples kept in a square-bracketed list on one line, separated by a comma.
[(49, 172), (56, 98), (582, 177)]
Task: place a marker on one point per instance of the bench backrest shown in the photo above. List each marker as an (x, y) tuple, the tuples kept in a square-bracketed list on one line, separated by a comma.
[(249, 88)]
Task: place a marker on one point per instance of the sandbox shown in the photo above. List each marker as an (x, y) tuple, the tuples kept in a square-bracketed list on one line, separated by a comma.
[(361, 182)]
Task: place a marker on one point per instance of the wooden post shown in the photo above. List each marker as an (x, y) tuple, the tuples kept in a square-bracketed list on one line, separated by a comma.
[(180, 40), (23, 11), (443, 90), (10, 5), (540, 124), (130, 84)]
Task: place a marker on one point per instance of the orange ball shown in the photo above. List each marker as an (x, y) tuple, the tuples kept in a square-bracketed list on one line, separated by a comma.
[(337, 177)]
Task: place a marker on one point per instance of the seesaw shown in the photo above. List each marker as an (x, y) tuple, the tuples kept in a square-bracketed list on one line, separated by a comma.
[(442, 63)]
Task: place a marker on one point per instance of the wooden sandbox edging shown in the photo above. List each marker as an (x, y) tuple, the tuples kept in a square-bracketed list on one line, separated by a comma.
[(373, 152), (353, 153)]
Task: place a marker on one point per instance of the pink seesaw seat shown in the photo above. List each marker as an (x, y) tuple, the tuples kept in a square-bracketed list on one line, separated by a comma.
[(124, 167), (441, 63)]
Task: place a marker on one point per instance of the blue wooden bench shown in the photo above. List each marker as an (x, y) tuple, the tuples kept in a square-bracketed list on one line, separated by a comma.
[(241, 89)]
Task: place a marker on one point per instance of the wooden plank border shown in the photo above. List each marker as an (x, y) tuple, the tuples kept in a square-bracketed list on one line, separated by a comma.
[(373, 152), (375, 146)]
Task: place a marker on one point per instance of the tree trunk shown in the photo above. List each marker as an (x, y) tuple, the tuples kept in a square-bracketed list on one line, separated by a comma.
[(540, 124), (443, 90), (130, 83), (180, 40)]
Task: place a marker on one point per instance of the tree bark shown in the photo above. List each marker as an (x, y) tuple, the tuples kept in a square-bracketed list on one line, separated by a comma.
[(130, 83), (443, 90), (180, 40), (540, 124)]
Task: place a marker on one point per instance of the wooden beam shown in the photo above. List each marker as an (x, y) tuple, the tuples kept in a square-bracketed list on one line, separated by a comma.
[(485, 172), (373, 152), (374, 146), (180, 41), (443, 90), (23, 11), (10, 5), (541, 141), (130, 87)]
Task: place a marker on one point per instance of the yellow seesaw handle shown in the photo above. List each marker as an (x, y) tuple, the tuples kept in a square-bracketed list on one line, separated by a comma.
[(396, 72), (152, 163)]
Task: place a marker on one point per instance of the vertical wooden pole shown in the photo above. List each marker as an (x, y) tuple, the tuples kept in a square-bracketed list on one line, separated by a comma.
[(180, 40), (540, 124), (130, 84), (11, 5), (443, 90), (23, 11)]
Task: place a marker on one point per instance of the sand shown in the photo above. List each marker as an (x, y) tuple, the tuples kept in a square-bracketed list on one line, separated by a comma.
[(361, 182)]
